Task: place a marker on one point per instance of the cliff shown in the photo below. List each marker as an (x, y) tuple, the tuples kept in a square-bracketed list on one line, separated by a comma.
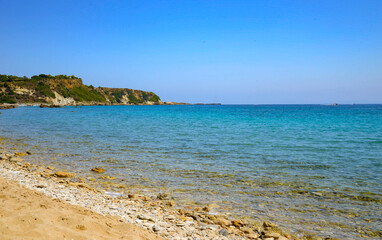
[(67, 90)]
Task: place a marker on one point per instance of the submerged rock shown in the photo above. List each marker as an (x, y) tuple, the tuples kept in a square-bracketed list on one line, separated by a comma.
[(21, 154), (270, 225), (98, 170), (163, 196)]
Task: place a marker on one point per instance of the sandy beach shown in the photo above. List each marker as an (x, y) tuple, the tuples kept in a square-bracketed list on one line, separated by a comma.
[(28, 214), (38, 202)]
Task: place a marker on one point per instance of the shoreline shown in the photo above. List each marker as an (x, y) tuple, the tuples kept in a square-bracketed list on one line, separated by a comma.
[(28, 214), (158, 215), (126, 177)]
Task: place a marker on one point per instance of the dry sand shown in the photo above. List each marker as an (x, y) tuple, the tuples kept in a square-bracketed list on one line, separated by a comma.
[(27, 214)]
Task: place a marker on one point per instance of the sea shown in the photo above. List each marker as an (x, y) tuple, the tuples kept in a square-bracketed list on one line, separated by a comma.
[(312, 169)]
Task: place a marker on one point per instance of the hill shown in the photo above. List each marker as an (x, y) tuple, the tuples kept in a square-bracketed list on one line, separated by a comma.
[(67, 90)]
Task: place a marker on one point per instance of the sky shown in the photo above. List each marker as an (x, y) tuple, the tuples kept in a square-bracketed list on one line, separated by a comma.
[(232, 52)]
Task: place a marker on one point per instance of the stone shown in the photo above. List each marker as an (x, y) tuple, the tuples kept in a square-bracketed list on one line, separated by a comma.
[(62, 174), (107, 177), (253, 236), (195, 217), (98, 170), (247, 230), (223, 232), (271, 234), (76, 184), (213, 227), (81, 227), (269, 224), (171, 203), (213, 205), (222, 222), (282, 238), (163, 196), (131, 196), (198, 209), (16, 159), (20, 154), (206, 209), (237, 223), (184, 218), (157, 228)]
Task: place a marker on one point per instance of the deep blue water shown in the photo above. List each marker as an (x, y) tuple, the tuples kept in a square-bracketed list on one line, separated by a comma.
[(311, 167)]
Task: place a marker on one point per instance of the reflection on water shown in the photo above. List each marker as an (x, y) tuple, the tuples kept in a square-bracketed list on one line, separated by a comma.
[(317, 168)]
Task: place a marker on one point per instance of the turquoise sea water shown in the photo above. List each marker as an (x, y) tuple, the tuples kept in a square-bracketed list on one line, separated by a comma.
[(305, 167)]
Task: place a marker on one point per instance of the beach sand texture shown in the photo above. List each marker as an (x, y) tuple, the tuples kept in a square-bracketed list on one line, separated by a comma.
[(27, 214)]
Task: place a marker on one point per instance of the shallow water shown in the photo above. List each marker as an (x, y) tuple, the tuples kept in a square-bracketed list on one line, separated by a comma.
[(306, 167)]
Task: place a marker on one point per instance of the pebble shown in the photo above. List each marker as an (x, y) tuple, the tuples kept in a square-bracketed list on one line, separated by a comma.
[(223, 232), (157, 228)]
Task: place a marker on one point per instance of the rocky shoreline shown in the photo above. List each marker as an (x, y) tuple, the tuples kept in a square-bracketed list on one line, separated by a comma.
[(157, 214)]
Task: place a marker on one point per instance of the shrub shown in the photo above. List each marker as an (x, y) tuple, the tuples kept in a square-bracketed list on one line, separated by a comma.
[(7, 99), (44, 90), (154, 98), (83, 93)]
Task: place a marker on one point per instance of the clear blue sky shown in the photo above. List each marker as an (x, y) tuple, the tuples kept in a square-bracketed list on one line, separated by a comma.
[(257, 51)]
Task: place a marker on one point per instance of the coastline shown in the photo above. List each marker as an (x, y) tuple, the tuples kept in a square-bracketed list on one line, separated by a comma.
[(127, 171), (158, 215)]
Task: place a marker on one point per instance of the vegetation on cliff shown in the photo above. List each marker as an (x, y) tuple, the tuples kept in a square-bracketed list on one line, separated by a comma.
[(66, 90)]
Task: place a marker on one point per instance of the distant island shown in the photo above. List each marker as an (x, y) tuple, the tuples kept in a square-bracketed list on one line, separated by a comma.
[(63, 90)]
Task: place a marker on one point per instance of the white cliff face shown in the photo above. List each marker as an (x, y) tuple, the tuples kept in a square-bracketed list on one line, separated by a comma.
[(125, 99), (60, 100), (24, 91)]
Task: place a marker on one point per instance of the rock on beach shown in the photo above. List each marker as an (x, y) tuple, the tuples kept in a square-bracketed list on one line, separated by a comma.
[(62, 174)]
